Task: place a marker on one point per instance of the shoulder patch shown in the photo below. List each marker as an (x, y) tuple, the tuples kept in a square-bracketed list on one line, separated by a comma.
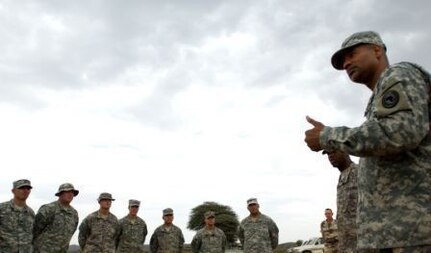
[(390, 99)]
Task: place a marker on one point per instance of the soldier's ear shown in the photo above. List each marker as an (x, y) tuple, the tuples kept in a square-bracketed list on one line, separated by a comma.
[(379, 51)]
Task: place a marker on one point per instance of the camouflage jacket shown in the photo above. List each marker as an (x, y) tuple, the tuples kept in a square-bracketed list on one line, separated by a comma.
[(54, 226), (209, 241), (132, 235), (394, 176), (258, 236), (329, 233), (167, 240), (98, 234), (347, 200), (16, 226)]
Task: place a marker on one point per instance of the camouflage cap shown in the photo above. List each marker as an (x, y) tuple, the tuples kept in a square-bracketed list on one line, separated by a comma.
[(209, 214), (168, 211), (252, 201), (21, 183), (66, 187), (367, 37), (134, 202), (105, 195)]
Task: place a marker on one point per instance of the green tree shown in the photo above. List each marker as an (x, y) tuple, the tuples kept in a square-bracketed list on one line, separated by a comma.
[(226, 219)]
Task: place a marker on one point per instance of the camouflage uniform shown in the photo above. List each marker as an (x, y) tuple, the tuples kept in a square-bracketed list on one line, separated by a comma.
[(330, 235), (258, 236), (394, 176), (166, 240), (16, 226), (347, 200), (98, 234), (54, 227), (132, 235), (209, 241)]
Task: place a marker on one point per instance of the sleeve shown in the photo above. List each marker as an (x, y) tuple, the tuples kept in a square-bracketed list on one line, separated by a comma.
[(241, 233), (76, 215), (181, 240), (118, 229), (321, 229), (41, 221), (144, 233), (154, 244), (224, 242), (196, 243), (273, 232), (400, 120), (84, 231), (120, 232)]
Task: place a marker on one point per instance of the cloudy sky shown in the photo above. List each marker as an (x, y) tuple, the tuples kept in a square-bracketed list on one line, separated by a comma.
[(176, 103)]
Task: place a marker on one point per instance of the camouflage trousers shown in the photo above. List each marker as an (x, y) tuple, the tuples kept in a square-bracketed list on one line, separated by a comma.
[(414, 249)]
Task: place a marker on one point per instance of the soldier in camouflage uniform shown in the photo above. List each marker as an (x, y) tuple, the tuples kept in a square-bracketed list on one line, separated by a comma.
[(394, 143), (133, 231), (167, 238), (16, 220), (98, 232), (56, 222), (257, 233), (347, 200), (209, 239), (329, 230)]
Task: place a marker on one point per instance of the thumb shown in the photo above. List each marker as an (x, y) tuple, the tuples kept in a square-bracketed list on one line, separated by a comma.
[(313, 122)]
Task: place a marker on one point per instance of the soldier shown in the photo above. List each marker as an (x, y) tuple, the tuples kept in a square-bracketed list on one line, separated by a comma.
[(56, 222), (329, 231), (209, 239), (99, 230), (394, 143), (257, 233), (16, 220), (167, 238), (347, 200), (133, 231)]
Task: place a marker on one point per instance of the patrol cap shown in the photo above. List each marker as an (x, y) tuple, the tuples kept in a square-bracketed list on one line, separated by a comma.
[(65, 188), (21, 183), (252, 201), (134, 202), (209, 214), (168, 211), (105, 195), (367, 37)]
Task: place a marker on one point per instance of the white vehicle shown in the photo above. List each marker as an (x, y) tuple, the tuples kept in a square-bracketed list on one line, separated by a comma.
[(313, 245)]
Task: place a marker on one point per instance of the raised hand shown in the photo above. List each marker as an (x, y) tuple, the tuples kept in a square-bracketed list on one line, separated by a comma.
[(312, 136)]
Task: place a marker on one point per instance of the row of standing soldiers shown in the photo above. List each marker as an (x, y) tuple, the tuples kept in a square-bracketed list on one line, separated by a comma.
[(51, 229)]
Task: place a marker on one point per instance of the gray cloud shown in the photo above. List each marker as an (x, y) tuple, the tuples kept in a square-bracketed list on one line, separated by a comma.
[(264, 61)]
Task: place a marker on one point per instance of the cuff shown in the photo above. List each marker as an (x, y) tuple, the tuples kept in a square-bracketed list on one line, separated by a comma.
[(326, 143)]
